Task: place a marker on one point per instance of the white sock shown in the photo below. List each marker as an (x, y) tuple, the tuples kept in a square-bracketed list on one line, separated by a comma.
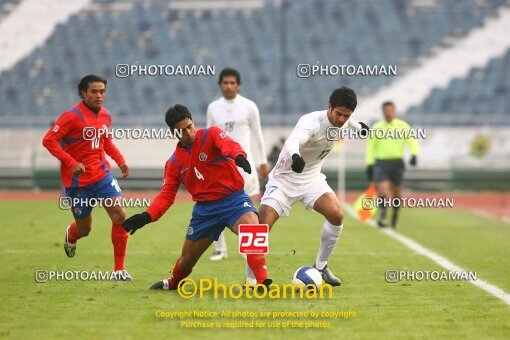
[(329, 237), (250, 277), (221, 245)]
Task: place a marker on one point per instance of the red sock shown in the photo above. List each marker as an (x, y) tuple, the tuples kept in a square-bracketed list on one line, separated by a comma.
[(119, 240), (257, 263), (178, 274), (72, 234)]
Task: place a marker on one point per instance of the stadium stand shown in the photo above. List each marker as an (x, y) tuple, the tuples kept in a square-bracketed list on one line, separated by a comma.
[(483, 91), (107, 33)]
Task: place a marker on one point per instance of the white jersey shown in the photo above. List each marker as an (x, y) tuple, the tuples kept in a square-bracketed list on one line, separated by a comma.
[(308, 139), (240, 119)]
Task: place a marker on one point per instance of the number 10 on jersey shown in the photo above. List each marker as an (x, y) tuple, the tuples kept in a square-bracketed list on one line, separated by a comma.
[(253, 239)]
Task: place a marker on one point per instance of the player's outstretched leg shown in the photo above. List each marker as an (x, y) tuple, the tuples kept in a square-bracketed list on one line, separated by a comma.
[(329, 238), (221, 249), (191, 252), (250, 276), (329, 206), (256, 262), (75, 231), (70, 240), (119, 241)]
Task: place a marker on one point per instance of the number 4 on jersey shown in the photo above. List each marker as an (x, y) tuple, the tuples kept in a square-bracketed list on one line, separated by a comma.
[(198, 174)]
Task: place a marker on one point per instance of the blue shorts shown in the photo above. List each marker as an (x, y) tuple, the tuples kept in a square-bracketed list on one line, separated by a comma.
[(104, 188), (208, 219)]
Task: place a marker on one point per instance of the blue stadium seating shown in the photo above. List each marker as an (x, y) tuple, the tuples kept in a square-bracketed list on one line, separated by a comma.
[(327, 32), (482, 91)]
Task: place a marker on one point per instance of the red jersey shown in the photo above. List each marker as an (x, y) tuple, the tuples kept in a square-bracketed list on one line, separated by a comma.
[(206, 168), (89, 151)]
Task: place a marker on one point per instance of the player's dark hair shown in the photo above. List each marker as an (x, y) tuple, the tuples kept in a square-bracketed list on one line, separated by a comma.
[(91, 78), (388, 103), (175, 114), (343, 96), (230, 72)]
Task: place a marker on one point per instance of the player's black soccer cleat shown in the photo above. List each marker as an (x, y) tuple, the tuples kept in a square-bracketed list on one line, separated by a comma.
[(242, 162), (163, 284), (135, 222), (267, 283), (328, 276), (298, 163), (69, 248), (382, 223)]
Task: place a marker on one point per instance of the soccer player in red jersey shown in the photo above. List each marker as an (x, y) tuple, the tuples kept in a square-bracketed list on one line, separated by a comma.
[(205, 162), (84, 170)]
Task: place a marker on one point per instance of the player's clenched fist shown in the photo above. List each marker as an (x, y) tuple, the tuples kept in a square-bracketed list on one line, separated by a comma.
[(135, 222), (298, 163), (242, 162), (78, 169), (125, 170)]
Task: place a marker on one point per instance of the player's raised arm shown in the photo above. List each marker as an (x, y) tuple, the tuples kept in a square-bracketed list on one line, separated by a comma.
[(58, 131), (230, 148), (161, 203)]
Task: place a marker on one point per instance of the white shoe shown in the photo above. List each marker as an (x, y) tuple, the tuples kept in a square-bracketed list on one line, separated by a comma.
[(69, 248), (121, 275), (218, 255)]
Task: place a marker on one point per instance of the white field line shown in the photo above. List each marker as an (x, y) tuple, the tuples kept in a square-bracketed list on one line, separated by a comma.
[(484, 213), (442, 261)]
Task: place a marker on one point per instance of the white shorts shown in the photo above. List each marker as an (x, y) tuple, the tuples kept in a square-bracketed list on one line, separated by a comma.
[(281, 198), (251, 182)]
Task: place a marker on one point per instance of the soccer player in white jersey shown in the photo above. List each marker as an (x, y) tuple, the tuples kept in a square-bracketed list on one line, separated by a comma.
[(239, 118), (297, 174)]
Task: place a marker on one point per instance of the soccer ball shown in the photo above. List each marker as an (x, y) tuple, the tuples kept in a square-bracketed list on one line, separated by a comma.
[(305, 276)]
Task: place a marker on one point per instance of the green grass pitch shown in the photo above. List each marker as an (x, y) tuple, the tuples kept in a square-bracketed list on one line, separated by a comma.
[(33, 231)]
